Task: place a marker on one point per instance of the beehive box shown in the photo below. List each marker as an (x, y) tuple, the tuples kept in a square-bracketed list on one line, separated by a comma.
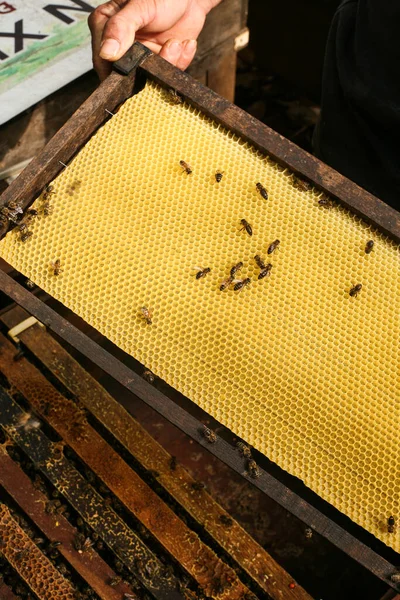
[(293, 364)]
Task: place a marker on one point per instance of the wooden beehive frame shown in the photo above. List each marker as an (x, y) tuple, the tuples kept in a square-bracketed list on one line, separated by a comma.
[(69, 140)]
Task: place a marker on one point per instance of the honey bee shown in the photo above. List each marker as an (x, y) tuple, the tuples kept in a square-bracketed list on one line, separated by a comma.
[(147, 315), (326, 202), (82, 544), (236, 268), (197, 486), (266, 271), (48, 191), (259, 261), (355, 290), (225, 520), (28, 218), (308, 532), (253, 469), (219, 175), (186, 168), (246, 226), (244, 450), (300, 184), (27, 422), (395, 577), (29, 284), (47, 208), (12, 211), (149, 376), (209, 435), (202, 272), (25, 235), (174, 97), (391, 524), (241, 284), (262, 191), (369, 246), (225, 284), (21, 554), (273, 246), (56, 266), (114, 581)]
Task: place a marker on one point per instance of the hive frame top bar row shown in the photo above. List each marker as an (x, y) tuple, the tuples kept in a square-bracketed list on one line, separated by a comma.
[(69, 140)]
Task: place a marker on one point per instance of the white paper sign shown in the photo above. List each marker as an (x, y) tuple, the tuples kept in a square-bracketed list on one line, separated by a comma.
[(44, 44)]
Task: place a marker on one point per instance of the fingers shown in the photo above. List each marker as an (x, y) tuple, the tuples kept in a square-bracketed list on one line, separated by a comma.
[(97, 21), (119, 31), (179, 53)]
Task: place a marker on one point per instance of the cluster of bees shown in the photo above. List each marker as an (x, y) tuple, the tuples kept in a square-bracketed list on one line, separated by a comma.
[(23, 220), (244, 451), (264, 266)]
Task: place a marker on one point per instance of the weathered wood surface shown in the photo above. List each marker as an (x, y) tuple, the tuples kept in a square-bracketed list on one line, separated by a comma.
[(251, 557)]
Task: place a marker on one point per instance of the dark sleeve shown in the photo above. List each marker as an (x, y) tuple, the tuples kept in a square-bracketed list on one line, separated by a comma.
[(359, 131)]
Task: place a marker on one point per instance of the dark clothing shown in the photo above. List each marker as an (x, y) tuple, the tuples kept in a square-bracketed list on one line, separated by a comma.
[(359, 131)]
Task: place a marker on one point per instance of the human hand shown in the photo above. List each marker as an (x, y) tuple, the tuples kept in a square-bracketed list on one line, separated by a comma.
[(167, 27)]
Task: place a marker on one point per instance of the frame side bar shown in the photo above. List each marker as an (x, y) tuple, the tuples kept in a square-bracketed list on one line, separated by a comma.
[(286, 153), (270, 486), (68, 140)]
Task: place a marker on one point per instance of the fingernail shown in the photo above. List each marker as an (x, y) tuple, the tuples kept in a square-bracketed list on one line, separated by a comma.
[(191, 45), (109, 49), (174, 49)]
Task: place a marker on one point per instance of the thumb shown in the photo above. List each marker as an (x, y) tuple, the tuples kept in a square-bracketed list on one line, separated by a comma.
[(119, 31)]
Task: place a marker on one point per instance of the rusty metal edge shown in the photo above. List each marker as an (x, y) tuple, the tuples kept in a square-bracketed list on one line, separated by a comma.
[(93, 570), (268, 484)]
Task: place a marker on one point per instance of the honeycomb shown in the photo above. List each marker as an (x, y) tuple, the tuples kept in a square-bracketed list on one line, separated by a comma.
[(29, 561), (293, 364)]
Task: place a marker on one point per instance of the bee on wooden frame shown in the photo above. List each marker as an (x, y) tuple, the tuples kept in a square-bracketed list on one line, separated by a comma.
[(114, 581), (253, 469), (244, 450), (326, 202), (174, 97), (246, 226), (186, 167), (210, 436), (197, 486)]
